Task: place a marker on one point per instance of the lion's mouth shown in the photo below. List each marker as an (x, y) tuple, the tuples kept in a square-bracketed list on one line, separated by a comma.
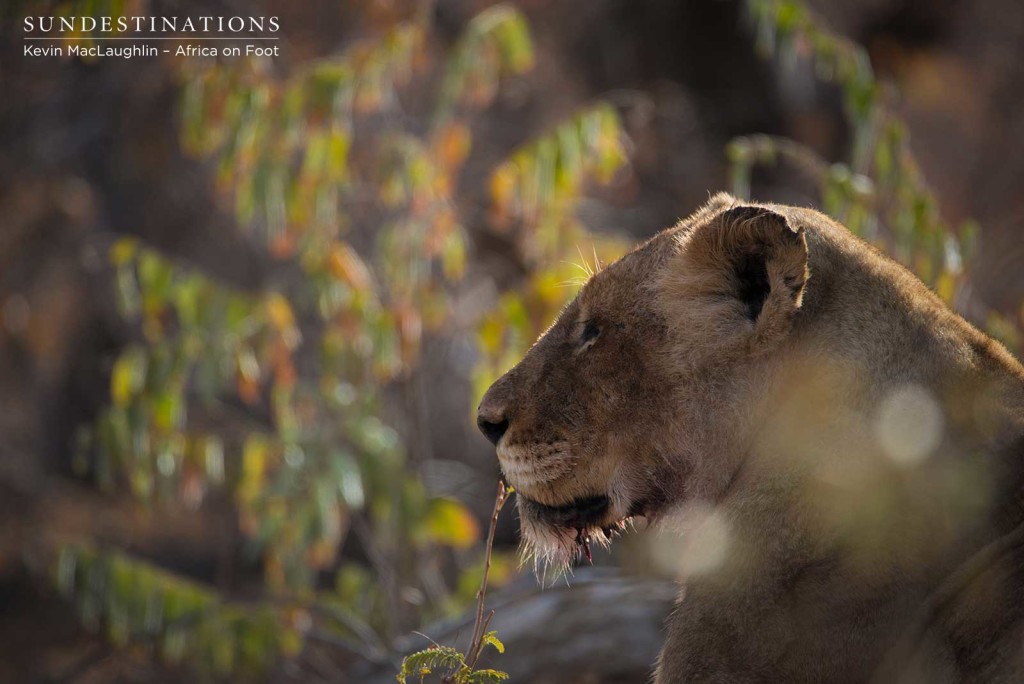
[(586, 512), (590, 517)]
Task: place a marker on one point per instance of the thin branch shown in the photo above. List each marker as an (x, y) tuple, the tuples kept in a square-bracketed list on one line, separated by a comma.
[(476, 644)]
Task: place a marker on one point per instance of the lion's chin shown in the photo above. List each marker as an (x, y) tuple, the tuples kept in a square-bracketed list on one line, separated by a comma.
[(555, 537)]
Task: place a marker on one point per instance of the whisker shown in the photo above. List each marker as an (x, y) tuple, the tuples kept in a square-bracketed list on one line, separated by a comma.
[(586, 269), (586, 265)]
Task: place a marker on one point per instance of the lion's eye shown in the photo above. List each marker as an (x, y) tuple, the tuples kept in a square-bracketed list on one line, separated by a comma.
[(591, 331)]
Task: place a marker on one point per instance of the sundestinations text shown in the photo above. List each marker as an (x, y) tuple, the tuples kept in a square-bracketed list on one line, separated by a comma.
[(203, 24)]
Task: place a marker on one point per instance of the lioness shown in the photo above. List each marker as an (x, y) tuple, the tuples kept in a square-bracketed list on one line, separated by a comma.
[(854, 445)]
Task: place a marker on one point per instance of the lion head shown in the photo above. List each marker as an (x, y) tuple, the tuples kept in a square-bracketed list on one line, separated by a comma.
[(616, 411)]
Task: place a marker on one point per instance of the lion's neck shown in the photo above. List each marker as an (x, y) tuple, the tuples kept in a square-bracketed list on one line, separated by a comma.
[(902, 475), (841, 529)]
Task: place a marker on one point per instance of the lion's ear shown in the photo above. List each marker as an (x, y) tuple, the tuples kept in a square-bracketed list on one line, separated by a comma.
[(743, 270), (766, 258)]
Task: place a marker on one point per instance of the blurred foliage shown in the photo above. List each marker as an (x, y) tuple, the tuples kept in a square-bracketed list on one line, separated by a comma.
[(273, 400), (540, 184), (135, 602), (878, 192)]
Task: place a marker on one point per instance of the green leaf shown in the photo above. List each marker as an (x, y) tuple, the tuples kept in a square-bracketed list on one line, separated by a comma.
[(189, 293), (127, 291), (213, 458), (349, 479), (123, 251), (67, 563), (430, 659), (168, 410), (486, 677), (492, 639), (450, 523), (128, 376), (155, 276), (513, 37)]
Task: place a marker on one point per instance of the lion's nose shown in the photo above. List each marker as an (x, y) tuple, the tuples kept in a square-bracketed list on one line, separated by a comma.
[(492, 418)]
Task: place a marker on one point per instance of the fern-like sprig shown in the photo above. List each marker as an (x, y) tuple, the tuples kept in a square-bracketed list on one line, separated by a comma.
[(457, 667)]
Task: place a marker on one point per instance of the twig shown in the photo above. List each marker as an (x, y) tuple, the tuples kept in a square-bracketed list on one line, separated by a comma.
[(480, 627), (483, 630)]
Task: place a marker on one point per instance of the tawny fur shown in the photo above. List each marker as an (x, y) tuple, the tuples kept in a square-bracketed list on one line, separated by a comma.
[(854, 554)]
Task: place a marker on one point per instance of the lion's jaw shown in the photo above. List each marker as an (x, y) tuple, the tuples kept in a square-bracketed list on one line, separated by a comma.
[(564, 511)]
